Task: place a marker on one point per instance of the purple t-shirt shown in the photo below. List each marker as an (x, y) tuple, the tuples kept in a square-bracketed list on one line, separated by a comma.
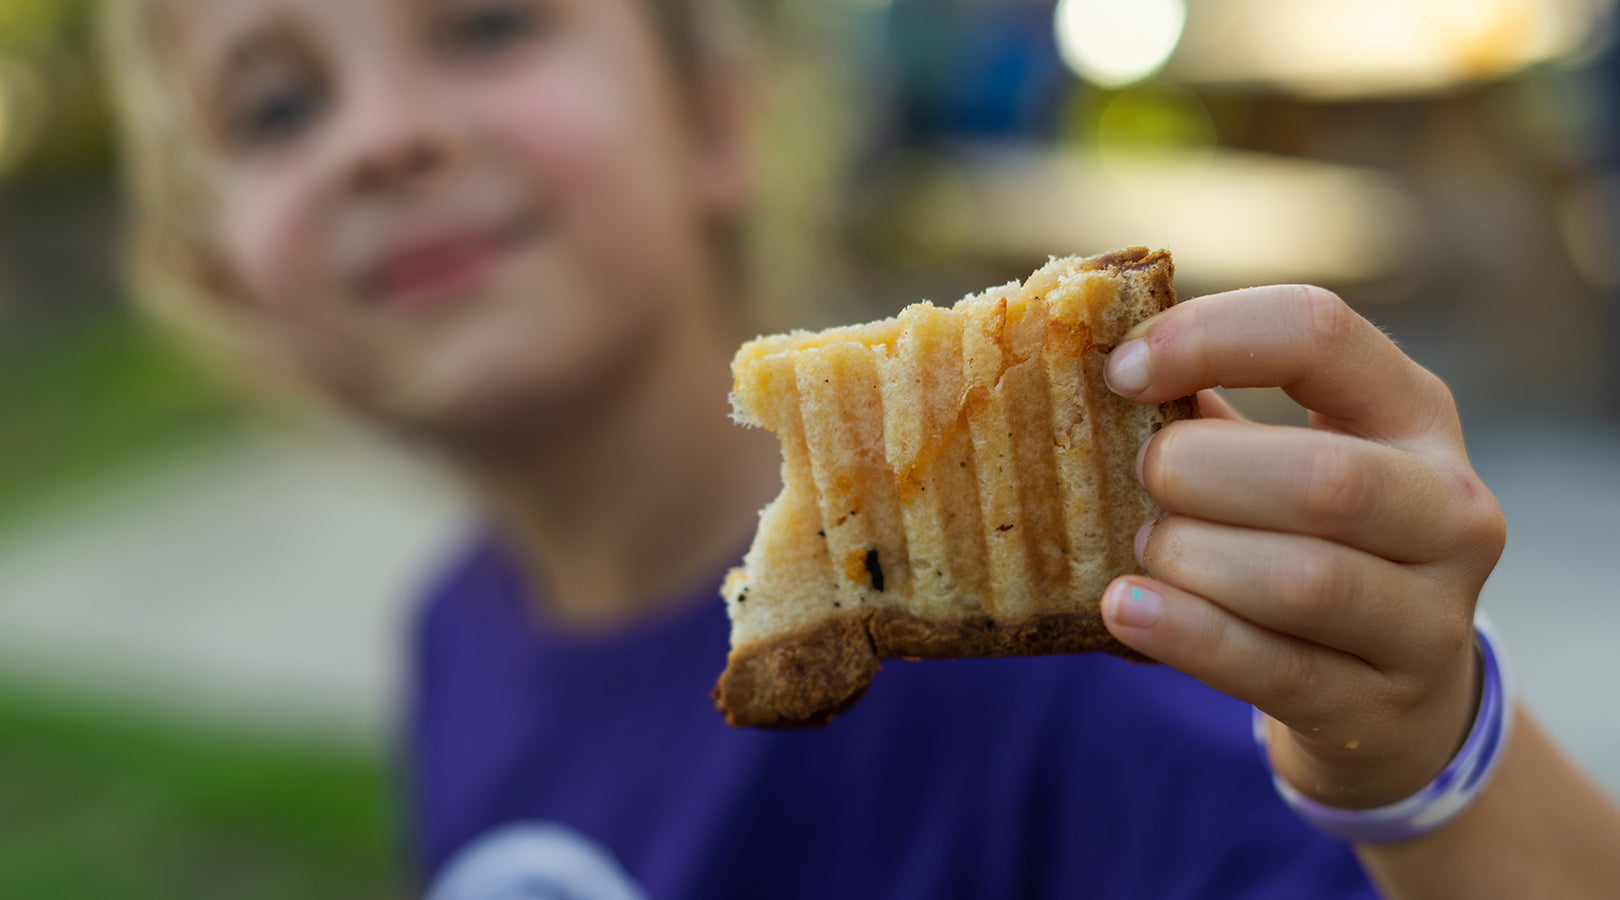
[(545, 767)]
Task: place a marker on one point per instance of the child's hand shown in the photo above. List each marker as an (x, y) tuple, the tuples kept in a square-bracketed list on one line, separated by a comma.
[(1328, 576)]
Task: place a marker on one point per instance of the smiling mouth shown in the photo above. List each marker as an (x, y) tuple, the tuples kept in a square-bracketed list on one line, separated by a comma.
[(443, 269)]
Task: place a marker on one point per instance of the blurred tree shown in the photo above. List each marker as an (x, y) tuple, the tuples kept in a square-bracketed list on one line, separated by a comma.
[(34, 24), (48, 46), (83, 384)]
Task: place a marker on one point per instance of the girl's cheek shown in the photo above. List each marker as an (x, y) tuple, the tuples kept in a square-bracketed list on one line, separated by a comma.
[(270, 237), (561, 120)]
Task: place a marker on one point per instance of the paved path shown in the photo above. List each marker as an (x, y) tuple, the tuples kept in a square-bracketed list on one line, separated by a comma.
[(263, 578)]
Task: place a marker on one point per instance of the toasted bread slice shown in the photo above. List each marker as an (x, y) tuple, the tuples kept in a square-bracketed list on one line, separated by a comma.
[(956, 482)]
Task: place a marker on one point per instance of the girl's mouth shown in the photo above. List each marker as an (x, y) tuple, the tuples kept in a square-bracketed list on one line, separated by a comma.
[(444, 268)]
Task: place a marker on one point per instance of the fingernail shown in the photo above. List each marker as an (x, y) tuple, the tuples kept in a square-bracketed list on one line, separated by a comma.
[(1141, 454), (1134, 606), (1142, 539), (1127, 371)]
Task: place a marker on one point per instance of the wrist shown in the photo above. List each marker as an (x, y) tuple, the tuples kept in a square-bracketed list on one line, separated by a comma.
[(1434, 803), (1369, 770)]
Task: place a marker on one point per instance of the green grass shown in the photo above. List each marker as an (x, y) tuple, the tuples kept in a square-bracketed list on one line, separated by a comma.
[(81, 396), (97, 801)]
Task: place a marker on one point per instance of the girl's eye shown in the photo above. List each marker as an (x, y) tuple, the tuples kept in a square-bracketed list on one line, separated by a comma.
[(488, 28), (278, 113)]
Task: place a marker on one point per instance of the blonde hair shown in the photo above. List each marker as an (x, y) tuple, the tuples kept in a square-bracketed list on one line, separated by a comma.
[(171, 257), (175, 266)]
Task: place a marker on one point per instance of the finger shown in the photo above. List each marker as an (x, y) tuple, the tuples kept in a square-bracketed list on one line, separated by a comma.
[(1213, 406), (1385, 501), (1302, 339), (1323, 592), (1300, 683)]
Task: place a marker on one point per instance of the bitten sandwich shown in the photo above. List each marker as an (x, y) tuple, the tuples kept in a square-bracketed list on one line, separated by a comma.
[(956, 482)]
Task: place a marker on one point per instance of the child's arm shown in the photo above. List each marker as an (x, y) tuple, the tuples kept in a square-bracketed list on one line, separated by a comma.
[(1329, 576)]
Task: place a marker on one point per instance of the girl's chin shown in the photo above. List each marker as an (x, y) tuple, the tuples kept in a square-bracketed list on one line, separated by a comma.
[(491, 408)]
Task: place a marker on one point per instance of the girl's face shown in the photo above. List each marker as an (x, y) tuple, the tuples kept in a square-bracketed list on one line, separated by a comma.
[(448, 212)]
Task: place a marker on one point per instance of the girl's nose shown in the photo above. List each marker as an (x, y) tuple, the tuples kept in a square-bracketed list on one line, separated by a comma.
[(396, 162), (395, 138)]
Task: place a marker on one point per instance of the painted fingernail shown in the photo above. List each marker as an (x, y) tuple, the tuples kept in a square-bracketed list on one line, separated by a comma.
[(1127, 371), (1134, 606), (1142, 539)]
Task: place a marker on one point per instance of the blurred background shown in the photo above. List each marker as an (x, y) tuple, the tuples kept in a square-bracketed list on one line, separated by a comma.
[(201, 604)]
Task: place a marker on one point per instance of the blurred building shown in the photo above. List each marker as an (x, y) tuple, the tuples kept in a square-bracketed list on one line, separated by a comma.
[(1443, 164)]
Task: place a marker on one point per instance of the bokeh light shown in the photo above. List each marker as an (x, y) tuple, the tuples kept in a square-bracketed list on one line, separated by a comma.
[(1114, 43), (1349, 49)]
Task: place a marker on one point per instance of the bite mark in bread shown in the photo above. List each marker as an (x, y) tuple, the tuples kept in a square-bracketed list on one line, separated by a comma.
[(956, 482)]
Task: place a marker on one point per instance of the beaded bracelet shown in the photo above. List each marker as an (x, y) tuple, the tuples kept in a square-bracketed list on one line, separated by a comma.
[(1450, 792)]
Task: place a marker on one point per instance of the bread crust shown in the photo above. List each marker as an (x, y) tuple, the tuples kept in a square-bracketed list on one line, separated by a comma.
[(807, 678), (809, 674)]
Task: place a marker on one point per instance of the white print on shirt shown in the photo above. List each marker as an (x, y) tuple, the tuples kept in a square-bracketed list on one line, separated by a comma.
[(534, 861)]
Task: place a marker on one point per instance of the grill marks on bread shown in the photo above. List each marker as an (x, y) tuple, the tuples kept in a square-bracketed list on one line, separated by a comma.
[(956, 482)]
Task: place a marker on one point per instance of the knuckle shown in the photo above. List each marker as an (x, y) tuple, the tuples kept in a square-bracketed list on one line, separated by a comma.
[(1327, 320), (1440, 401), (1494, 541), (1442, 393), (1478, 529), (1336, 485), (1487, 527), (1208, 639), (1313, 585)]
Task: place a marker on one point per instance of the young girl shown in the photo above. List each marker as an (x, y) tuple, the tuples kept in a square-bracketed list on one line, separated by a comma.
[(504, 228)]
